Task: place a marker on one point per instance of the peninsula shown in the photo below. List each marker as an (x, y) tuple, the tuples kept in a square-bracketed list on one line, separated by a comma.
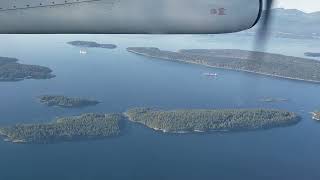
[(268, 64), (91, 44), (66, 102), (206, 120), (86, 126), (11, 70)]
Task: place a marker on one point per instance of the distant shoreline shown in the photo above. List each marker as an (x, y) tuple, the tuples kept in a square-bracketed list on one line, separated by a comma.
[(233, 69)]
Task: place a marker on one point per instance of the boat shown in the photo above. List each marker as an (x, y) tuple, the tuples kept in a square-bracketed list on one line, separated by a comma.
[(211, 74), (315, 116), (83, 52)]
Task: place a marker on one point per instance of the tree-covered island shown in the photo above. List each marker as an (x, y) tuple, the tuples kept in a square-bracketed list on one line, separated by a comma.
[(86, 126), (66, 102), (91, 44), (275, 65), (11, 70), (316, 116), (202, 120)]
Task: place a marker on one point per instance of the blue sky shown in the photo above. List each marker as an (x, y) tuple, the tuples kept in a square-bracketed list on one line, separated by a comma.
[(304, 5)]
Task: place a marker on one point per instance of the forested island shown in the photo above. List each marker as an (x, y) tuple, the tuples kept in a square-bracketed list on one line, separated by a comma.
[(66, 102), (312, 54), (96, 125), (86, 126), (206, 120), (275, 65), (316, 116), (91, 44), (11, 70)]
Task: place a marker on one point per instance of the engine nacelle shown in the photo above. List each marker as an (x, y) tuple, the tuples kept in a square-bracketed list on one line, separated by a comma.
[(127, 16)]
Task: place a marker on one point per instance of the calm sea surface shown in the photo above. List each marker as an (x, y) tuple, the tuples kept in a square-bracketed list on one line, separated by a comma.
[(122, 80)]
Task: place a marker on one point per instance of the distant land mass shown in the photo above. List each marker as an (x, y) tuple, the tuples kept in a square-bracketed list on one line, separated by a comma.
[(291, 23), (206, 120), (91, 44), (11, 70), (66, 102), (312, 54), (268, 64), (86, 126)]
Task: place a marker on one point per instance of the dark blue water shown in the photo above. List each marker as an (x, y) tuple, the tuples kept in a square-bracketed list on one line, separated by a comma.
[(123, 80)]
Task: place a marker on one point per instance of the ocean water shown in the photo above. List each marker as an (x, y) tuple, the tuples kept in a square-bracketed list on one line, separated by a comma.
[(122, 80)]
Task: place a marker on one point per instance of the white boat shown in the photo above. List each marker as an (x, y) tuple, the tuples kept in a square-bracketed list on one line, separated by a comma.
[(315, 116), (211, 74), (83, 52)]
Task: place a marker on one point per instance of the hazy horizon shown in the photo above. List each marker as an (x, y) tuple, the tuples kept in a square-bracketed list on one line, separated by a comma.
[(307, 6)]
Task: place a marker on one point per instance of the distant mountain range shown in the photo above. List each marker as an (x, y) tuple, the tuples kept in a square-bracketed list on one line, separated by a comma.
[(292, 23)]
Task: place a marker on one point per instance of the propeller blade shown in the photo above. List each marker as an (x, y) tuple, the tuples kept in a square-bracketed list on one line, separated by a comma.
[(264, 27)]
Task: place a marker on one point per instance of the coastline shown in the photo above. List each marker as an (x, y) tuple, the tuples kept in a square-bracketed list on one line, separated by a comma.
[(196, 131), (164, 130), (182, 132), (7, 138), (226, 68)]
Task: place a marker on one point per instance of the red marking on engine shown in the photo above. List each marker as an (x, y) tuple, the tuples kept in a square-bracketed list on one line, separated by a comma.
[(213, 11), (222, 11), (218, 11)]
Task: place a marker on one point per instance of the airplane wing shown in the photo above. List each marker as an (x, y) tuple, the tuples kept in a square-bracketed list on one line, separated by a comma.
[(127, 16)]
